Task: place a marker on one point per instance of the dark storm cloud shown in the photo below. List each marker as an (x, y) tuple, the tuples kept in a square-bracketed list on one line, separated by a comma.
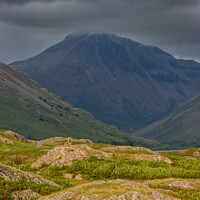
[(20, 2), (35, 24)]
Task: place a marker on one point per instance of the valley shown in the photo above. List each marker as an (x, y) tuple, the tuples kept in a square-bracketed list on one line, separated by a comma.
[(67, 168)]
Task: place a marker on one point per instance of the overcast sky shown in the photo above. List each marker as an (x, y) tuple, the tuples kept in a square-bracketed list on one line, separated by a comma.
[(27, 27)]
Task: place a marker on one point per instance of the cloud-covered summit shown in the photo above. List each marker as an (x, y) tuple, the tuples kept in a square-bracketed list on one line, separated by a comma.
[(33, 25)]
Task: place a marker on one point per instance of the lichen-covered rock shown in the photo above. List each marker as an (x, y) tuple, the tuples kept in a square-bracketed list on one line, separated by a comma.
[(24, 195), (13, 174), (16, 136), (61, 156)]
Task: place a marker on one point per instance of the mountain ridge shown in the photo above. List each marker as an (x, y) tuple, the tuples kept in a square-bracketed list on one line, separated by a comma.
[(120, 81)]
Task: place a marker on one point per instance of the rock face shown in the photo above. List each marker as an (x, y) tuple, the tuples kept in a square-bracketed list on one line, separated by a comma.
[(12, 174), (120, 81), (61, 156), (24, 195)]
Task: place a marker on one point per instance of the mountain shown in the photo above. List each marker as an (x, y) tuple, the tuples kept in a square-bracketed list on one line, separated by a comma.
[(181, 127), (36, 113), (120, 81)]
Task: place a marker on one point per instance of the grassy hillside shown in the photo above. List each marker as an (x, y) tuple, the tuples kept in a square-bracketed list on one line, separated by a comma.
[(37, 113), (103, 170), (181, 127)]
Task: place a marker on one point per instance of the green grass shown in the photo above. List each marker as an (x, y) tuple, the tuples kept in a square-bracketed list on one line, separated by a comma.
[(119, 165), (7, 187), (133, 170), (17, 117)]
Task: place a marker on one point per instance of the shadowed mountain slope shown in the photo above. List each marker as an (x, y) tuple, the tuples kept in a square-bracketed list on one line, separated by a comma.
[(37, 113), (181, 127), (121, 82)]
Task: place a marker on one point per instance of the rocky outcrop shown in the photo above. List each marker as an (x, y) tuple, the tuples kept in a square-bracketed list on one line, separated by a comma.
[(24, 195), (129, 148), (61, 156), (13, 174), (16, 136), (153, 158), (6, 140), (140, 196), (136, 191), (181, 184)]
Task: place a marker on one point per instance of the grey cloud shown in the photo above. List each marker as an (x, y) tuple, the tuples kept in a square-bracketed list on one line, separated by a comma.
[(170, 24), (21, 2)]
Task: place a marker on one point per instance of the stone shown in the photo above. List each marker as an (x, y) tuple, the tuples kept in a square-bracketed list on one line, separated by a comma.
[(79, 177), (69, 176), (196, 153)]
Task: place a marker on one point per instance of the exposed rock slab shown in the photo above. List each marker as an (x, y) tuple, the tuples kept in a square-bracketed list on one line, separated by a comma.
[(24, 195), (16, 136), (61, 156), (129, 148), (13, 174), (181, 184)]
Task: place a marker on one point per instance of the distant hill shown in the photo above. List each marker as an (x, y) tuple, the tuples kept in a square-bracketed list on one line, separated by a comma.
[(181, 127), (121, 82), (37, 113)]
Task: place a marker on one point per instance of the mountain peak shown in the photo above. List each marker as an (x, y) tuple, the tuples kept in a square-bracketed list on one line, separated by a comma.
[(122, 82), (88, 34)]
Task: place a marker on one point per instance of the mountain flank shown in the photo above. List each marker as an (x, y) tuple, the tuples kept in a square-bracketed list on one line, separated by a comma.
[(120, 81), (37, 113), (181, 127)]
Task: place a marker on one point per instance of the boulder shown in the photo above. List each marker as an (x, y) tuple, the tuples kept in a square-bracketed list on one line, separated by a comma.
[(24, 195), (79, 177), (61, 156), (69, 176)]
